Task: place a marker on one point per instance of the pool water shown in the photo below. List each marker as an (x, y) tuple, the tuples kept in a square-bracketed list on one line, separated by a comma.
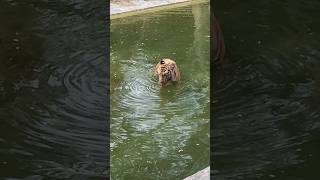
[(160, 133), (53, 84), (266, 99)]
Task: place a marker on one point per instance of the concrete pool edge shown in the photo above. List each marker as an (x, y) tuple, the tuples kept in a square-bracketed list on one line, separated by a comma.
[(203, 174), (154, 8)]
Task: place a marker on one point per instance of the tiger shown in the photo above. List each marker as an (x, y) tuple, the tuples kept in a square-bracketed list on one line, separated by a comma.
[(218, 45), (167, 70)]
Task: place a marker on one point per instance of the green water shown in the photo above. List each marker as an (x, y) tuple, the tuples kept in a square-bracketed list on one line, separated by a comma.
[(160, 133)]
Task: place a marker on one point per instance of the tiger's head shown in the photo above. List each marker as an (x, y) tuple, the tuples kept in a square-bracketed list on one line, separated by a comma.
[(167, 70)]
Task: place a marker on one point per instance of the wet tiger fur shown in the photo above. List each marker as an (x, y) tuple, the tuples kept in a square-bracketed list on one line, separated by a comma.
[(167, 70)]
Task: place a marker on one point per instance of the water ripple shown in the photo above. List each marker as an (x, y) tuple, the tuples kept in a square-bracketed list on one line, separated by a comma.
[(265, 100), (55, 105)]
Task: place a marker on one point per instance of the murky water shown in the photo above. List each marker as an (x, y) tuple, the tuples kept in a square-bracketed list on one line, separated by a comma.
[(160, 133), (53, 84), (266, 100)]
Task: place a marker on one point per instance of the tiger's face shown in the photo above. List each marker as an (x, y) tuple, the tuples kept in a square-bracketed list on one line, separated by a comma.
[(167, 70)]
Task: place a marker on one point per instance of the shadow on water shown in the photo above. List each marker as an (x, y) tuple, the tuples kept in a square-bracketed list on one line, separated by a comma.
[(266, 104), (160, 133), (53, 85)]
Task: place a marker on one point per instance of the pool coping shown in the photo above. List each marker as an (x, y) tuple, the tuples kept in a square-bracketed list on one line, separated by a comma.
[(140, 9), (203, 174)]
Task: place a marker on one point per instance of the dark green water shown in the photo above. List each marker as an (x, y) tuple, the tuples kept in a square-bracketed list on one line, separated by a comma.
[(160, 134), (266, 101), (53, 84)]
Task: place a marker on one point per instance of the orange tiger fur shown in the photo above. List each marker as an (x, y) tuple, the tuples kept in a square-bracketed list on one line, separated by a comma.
[(167, 70)]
